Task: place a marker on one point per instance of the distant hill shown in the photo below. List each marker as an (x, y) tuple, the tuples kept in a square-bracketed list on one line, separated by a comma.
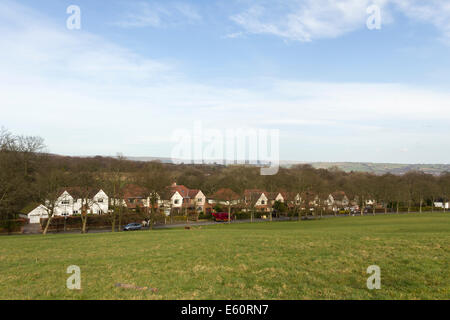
[(381, 168), (376, 168)]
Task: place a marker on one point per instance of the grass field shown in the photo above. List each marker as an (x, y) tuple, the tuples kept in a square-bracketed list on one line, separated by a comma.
[(322, 259)]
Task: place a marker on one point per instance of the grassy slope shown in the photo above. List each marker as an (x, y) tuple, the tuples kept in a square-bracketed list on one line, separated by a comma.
[(324, 259)]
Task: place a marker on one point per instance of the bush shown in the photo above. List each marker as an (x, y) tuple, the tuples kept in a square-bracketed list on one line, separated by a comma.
[(242, 215), (93, 221), (12, 225), (206, 216)]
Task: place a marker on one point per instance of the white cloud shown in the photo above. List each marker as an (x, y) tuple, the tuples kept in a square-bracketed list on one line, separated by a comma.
[(86, 95), (359, 101), (234, 35), (305, 20), (435, 12), (153, 14)]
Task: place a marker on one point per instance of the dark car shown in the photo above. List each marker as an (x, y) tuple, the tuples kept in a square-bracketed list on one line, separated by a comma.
[(132, 226)]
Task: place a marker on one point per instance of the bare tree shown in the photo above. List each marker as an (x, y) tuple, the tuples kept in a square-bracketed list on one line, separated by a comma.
[(114, 181), (49, 192), (228, 197), (20, 161), (156, 179)]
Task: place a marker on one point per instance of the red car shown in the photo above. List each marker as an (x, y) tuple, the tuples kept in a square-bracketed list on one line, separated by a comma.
[(221, 216)]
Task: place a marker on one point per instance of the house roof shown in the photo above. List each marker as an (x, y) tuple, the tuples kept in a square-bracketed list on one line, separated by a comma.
[(308, 195), (225, 194), (78, 192), (250, 193), (182, 190), (289, 196), (167, 193), (30, 207), (274, 195), (338, 195), (193, 192), (253, 195), (135, 191)]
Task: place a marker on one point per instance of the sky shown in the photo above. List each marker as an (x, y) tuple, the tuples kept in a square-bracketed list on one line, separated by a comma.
[(136, 72)]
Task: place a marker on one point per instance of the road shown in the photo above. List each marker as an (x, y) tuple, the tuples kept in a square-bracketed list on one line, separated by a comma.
[(34, 230), (178, 225)]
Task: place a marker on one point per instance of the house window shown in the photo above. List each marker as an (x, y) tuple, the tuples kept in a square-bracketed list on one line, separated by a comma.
[(65, 202), (176, 201), (199, 200), (100, 200), (263, 202)]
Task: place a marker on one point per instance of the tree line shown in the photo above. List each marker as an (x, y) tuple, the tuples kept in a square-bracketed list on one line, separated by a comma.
[(30, 174)]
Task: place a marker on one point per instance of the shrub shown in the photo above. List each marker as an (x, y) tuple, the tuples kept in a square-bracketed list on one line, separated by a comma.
[(12, 225), (205, 216), (241, 215), (93, 221)]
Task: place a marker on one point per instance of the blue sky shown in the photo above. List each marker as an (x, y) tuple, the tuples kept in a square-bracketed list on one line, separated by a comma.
[(137, 71)]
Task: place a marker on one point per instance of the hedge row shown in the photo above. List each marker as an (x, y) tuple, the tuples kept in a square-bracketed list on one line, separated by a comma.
[(93, 221), (105, 221), (12, 226)]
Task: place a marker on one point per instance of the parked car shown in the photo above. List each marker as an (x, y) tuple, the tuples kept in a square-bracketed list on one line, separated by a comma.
[(132, 226), (221, 216)]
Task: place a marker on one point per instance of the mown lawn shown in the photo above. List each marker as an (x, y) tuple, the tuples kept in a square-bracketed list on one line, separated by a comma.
[(323, 259)]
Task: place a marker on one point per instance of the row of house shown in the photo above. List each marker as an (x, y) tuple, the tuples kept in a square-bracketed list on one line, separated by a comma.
[(181, 199), (72, 201)]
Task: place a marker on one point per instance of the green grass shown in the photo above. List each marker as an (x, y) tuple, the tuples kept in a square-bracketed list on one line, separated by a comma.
[(323, 259)]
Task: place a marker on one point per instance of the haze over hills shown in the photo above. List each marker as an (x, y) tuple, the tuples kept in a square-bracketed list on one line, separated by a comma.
[(381, 168), (376, 168)]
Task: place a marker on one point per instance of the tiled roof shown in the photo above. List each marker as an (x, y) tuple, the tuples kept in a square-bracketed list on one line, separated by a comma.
[(79, 193), (135, 191), (338, 195), (225, 194), (248, 193), (193, 192), (182, 190)]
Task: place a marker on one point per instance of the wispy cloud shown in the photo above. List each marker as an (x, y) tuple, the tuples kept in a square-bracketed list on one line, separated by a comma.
[(308, 20), (305, 20), (435, 12), (87, 95), (158, 15), (233, 35)]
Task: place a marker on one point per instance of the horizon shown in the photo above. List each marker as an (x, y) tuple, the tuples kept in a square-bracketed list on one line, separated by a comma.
[(132, 157), (134, 73)]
